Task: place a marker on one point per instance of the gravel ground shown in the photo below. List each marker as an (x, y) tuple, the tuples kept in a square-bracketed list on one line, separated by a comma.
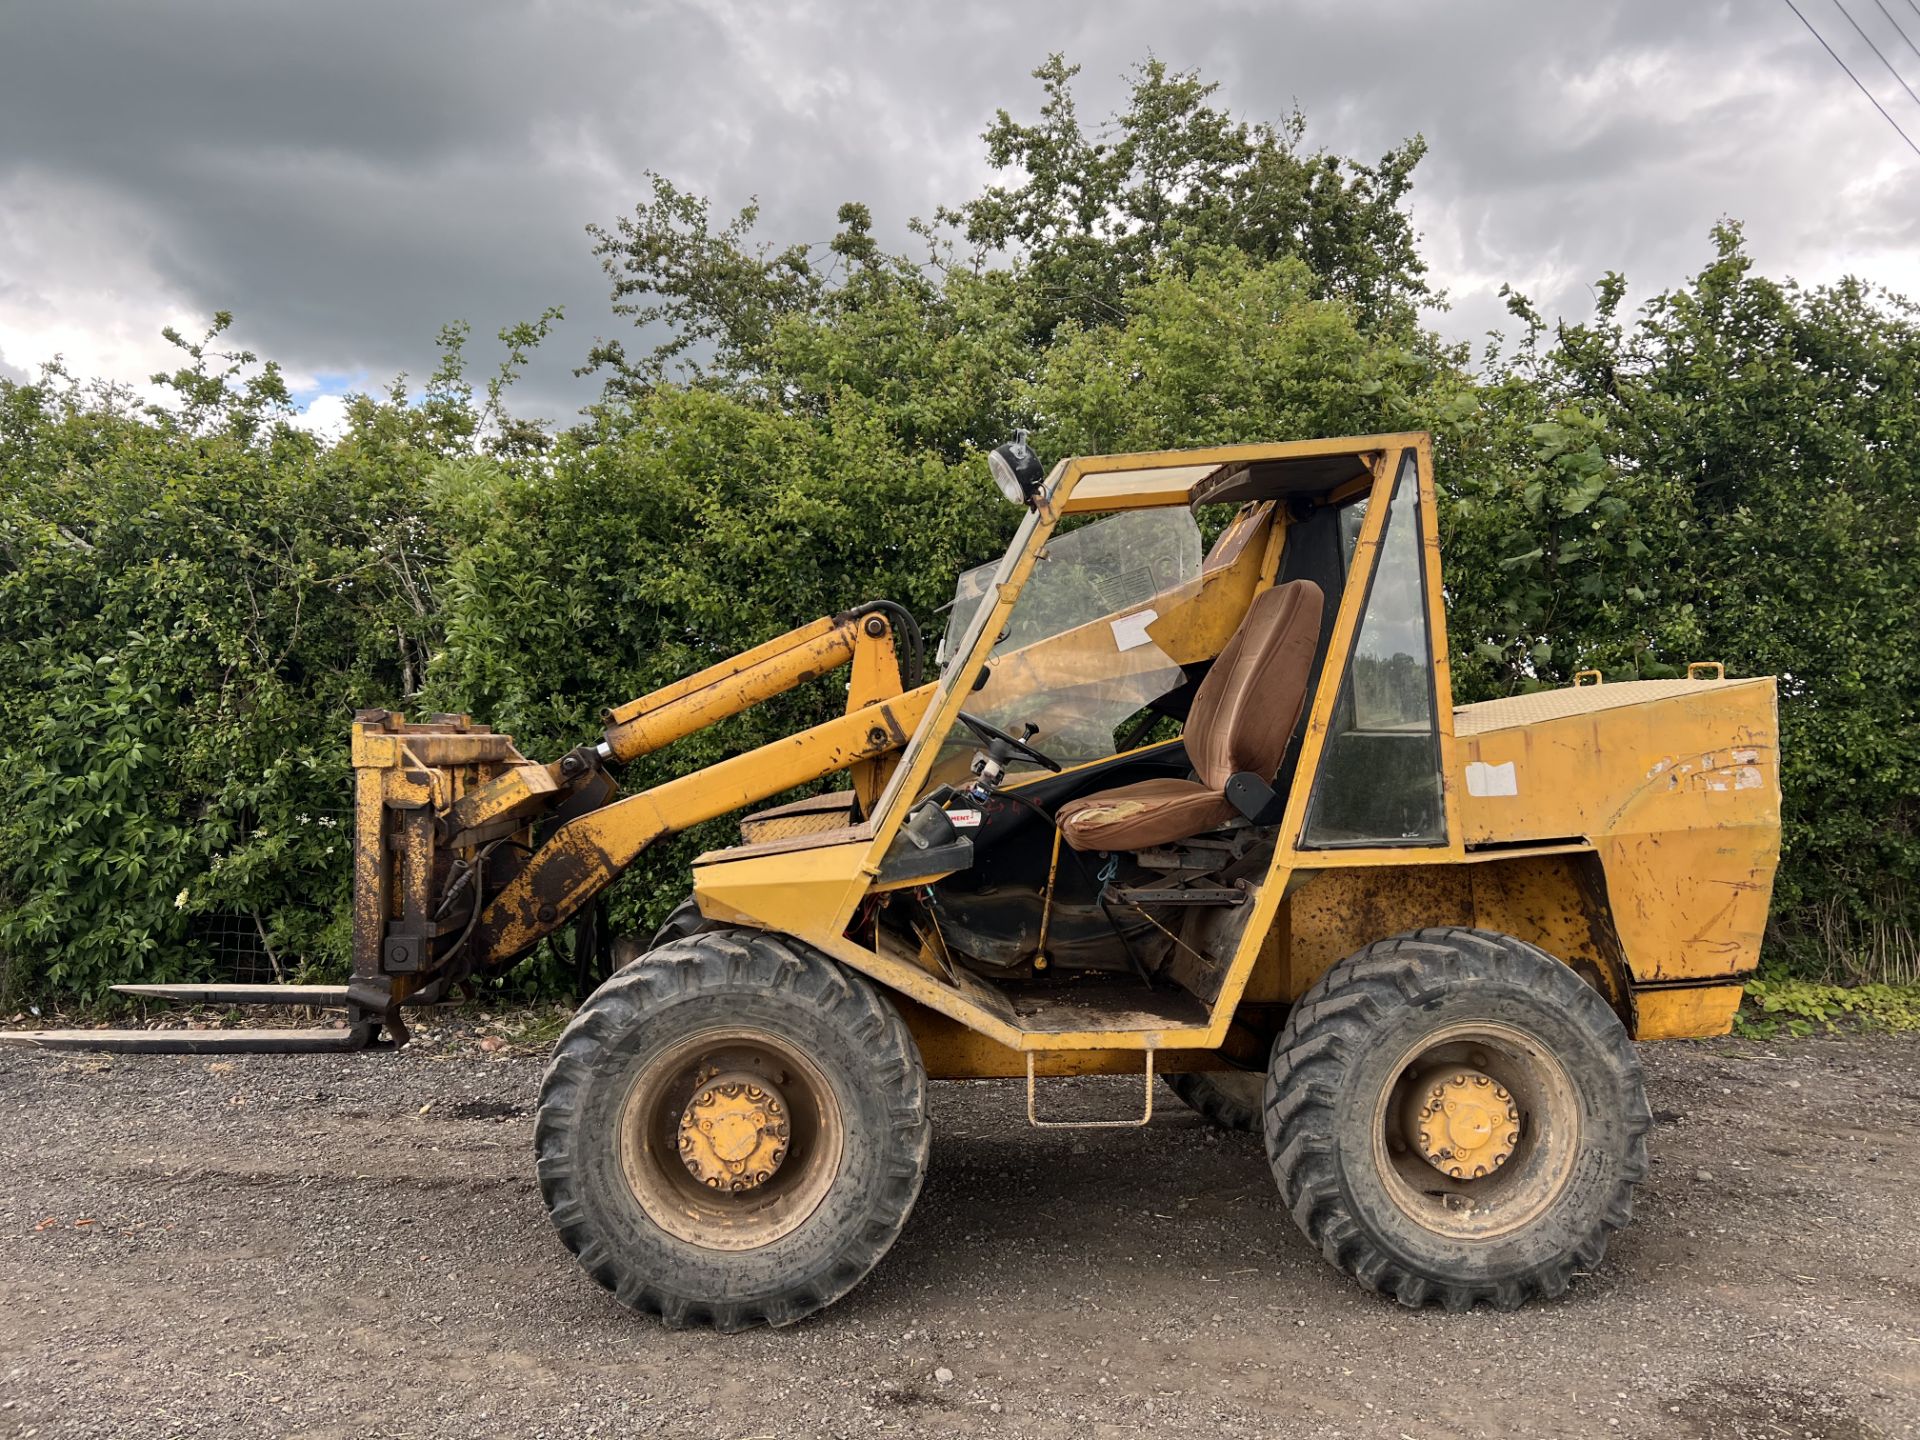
[(354, 1247)]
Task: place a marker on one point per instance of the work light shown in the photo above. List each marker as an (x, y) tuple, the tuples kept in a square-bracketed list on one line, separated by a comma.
[(1016, 470)]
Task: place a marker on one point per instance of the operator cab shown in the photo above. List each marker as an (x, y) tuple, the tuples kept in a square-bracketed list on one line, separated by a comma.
[(1110, 793)]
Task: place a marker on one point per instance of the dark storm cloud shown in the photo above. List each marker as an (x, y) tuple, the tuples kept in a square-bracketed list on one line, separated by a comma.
[(349, 176)]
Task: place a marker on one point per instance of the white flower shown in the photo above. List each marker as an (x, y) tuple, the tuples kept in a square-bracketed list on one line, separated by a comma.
[(180, 901)]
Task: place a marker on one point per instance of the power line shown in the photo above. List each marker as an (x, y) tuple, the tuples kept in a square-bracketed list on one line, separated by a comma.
[(1853, 77), (1841, 7), (1896, 25)]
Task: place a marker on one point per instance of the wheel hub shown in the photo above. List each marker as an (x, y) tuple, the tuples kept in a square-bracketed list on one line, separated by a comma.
[(734, 1132), (1462, 1122)]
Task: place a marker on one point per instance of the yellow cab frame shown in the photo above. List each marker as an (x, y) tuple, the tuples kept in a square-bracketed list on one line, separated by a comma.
[(967, 1027)]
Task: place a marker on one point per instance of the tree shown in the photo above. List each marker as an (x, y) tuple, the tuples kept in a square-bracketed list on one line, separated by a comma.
[(1734, 475), (194, 598), (1093, 216), (1089, 222)]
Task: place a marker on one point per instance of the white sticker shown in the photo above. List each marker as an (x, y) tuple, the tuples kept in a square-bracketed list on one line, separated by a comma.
[(964, 819), (1484, 779), (1130, 631)]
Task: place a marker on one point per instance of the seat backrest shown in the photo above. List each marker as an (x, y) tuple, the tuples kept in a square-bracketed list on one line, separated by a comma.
[(1246, 708)]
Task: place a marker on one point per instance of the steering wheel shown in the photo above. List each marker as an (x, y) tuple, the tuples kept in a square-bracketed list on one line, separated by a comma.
[(991, 735)]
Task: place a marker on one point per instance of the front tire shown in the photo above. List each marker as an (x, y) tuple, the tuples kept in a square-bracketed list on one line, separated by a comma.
[(732, 1131), (683, 920), (1455, 1116)]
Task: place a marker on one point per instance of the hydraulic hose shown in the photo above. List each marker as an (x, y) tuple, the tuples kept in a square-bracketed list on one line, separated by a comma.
[(903, 624)]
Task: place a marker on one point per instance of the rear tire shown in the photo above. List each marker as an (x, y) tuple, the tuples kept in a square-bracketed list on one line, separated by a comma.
[(1229, 1099), (1499, 1201), (828, 1095)]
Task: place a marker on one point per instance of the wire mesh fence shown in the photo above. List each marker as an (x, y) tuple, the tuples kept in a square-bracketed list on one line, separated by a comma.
[(235, 942), (236, 945)]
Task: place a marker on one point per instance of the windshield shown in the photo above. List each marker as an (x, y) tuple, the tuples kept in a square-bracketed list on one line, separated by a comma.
[(1076, 658), (1099, 569)]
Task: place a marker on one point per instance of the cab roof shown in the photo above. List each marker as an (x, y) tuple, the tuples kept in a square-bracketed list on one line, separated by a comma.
[(1221, 475)]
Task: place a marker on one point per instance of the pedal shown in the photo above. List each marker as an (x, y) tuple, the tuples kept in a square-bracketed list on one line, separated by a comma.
[(196, 1042)]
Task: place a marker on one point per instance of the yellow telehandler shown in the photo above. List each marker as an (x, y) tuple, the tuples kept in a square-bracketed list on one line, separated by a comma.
[(1199, 812)]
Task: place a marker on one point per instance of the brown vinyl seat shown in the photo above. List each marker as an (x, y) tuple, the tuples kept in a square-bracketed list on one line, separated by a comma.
[(1243, 716)]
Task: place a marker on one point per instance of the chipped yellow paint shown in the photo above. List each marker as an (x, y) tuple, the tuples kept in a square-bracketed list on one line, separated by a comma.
[(1677, 793), (1686, 1013), (875, 676), (788, 890)]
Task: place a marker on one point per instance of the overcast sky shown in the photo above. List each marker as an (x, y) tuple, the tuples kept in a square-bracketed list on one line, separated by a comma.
[(347, 177)]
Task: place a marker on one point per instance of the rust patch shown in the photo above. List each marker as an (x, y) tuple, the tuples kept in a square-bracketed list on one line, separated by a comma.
[(1339, 911)]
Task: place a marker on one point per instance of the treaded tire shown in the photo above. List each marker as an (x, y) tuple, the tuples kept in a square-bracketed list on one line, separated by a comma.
[(683, 920), (729, 979), (1342, 1044), (1230, 1099)]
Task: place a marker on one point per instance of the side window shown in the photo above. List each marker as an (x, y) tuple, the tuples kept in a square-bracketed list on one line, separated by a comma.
[(1352, 516), (1379, 778)]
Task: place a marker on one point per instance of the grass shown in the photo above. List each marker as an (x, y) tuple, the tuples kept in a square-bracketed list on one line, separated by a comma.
[(536, 1028), (1869, 941), (1779, 1004)]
